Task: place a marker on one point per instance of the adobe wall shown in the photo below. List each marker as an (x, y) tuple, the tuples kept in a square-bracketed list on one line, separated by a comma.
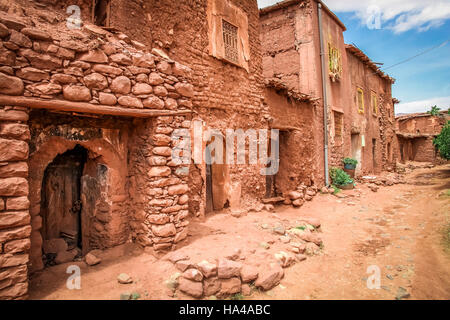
[(337, 88), (298, 147), (378, 126), (226, 95), (415, 134), (291, 52), (110, 79)]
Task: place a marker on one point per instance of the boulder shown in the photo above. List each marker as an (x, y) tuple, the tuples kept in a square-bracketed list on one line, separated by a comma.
[(91, 259), (9, 85), (124, 278), (121, 85), (77, 93), (165, 230), (208, 269), (193, 274), (32, 74), (270, 276), (96, 56), (228, 269), (294, 195), (153, 102), (249, 273), (211, 286), (66, 256), (107, 99), (95, 81), (185, 89), (192, 288), (130, 102), (142, 89), (230, 286)]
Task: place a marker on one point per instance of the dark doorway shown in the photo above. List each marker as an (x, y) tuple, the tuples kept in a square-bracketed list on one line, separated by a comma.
[(61, 197), (100, 12), (374, 153)]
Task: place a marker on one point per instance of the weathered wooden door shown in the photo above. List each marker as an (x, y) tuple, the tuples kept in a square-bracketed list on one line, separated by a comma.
[(61, 205), (90, 193)]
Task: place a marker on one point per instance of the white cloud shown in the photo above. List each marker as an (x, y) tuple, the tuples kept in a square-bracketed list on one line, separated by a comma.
[(422, 105), (398, 15)]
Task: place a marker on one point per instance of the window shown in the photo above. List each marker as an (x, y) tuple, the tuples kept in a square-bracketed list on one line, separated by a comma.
[(334, 62), (360, 99), (374, 102), (337, 126), (230, 41)]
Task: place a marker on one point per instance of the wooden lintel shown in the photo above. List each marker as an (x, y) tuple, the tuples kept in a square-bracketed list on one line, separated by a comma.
[(285, 128), (83, 107)]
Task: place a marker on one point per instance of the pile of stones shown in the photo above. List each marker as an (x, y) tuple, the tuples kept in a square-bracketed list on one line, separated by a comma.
[(239, 274), (303, 193)]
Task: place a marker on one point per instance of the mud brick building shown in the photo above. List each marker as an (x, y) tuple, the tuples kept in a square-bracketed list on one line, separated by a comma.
[(85, 147), (415, 133), (87, 116), (359, 113), (219, 41)]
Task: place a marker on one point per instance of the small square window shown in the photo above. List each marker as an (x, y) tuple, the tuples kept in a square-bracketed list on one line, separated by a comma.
[(360, 97), (374, 102), (230, 41)]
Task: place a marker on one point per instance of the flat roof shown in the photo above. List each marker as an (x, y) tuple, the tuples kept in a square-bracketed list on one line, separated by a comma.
[(287, 3)]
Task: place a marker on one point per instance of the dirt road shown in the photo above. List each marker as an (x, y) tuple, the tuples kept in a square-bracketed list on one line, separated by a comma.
[(397, 230)]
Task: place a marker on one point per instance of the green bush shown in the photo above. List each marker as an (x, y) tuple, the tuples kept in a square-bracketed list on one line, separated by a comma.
[(434, 111), (350, 161), (442, 142), (339, 177)]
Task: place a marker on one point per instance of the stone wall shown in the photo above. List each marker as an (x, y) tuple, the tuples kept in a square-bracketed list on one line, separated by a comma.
[(15, 228), (226, 95), (92, 84)]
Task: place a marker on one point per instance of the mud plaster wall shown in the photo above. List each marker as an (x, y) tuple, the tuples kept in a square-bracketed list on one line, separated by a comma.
[(338, 89), (379, 125), (290, 46), (419, 148), (298, 153), (226, 95)]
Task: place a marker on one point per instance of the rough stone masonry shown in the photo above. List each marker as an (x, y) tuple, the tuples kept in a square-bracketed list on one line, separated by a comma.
[(116, 100)]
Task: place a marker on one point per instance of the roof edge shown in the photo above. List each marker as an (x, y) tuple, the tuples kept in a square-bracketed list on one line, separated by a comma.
[(288, 3)]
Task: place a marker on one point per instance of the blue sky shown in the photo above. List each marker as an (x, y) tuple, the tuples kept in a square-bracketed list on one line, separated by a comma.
[(401, 29)]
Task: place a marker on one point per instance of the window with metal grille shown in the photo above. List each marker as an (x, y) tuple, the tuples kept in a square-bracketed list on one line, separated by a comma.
[(230, 41)]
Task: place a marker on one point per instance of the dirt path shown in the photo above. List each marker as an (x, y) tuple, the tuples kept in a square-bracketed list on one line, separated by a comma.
[(398, 229)]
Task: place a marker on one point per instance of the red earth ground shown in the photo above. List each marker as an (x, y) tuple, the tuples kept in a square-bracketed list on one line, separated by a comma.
[(400, 229)]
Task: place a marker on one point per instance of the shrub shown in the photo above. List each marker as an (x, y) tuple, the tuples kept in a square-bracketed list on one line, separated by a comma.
[(434, 111), (442, 142), (350, 161), (340, 177)]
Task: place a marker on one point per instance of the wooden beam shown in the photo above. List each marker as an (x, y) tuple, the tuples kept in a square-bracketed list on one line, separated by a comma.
[(83, 107), (285, 128)]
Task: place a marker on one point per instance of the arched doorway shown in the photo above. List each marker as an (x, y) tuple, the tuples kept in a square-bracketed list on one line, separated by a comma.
[(61, 205)]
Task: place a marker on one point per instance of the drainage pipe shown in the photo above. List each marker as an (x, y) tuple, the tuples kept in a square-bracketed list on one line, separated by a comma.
[(325, 96)]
